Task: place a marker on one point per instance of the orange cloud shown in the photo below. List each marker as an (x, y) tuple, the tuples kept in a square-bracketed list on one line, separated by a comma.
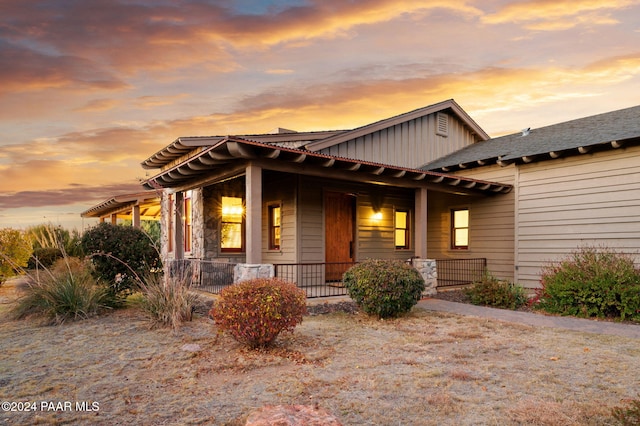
[(553, 15), (98, 105), (324, 19)]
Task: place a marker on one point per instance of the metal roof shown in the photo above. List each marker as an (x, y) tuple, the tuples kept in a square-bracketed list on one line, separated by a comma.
[(603, 131)]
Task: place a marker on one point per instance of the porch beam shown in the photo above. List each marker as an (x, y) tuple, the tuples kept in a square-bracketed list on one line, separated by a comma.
[(364, 178), (253, 219), (420, 220)]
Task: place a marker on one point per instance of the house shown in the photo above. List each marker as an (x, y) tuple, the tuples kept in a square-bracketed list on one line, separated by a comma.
[(426, 184), (575, 184), (331, 198)]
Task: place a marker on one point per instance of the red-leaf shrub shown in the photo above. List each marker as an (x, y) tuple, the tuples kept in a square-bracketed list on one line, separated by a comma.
[(255, 311)]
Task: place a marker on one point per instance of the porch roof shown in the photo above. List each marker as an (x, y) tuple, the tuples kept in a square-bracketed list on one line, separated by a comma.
[(235, 150), (149, 202), (184, 145)]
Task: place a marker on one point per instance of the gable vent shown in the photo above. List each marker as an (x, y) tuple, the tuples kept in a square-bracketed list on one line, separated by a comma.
[(442, 123)]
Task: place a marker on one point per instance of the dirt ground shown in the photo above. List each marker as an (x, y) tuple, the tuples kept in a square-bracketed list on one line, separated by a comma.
[(423, 369)]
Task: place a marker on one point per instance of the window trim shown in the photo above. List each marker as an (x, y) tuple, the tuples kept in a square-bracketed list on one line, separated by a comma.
[(271, 227), (453, 228), (407, 229), (233, 250)]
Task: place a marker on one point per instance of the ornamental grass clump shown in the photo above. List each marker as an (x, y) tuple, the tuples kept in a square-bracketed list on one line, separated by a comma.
[(167, 301), (490, 291), (255, 312), (386, 288), (65, 292), (592, 282)]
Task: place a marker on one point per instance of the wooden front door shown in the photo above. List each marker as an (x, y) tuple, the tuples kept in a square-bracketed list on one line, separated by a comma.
[(339, 223)]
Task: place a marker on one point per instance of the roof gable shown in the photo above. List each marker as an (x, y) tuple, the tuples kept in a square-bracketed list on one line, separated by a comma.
[(603, 131), (448, 105)]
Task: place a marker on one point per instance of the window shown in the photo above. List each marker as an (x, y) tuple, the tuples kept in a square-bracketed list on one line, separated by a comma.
[(460, 229), (275, 215), (187, 222), (232, 224), (402, 231)]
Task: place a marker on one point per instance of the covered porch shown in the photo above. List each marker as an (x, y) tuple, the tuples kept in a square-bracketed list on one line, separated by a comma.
[(326, 208)]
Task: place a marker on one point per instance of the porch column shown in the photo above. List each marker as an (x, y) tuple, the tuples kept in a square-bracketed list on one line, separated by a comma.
[(421, 223), (178, 222), (114, 219), (135, 214), (253, 219)]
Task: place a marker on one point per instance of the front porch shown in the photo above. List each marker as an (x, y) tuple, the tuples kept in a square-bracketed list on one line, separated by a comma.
[(318, 280)]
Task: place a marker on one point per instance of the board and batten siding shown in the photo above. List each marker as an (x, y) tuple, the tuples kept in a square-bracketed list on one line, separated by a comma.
[(410, 144), (587, 200), (491, 223), (310, 222)]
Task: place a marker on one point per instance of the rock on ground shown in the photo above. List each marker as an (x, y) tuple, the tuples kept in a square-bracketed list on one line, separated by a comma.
[(291, 415)]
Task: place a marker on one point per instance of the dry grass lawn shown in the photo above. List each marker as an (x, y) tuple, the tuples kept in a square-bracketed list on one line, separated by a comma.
[(423, 369)]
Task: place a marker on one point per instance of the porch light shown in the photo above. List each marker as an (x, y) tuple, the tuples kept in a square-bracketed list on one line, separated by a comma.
[(377, 216)]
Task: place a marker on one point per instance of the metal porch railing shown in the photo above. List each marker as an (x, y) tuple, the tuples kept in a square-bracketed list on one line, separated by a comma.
[(459, 272), (316, 279)]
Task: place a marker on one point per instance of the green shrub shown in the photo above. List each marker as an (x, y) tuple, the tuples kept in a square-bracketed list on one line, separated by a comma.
[(15, 250), (44, 257), (167, 301), (592, 282), (386, 288), (255, 311), (491, 291), (121, 255), (67, 291)]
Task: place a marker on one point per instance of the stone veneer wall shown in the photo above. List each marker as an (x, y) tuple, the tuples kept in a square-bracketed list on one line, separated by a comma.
[(197, 225), (164, 227), (427, 268)]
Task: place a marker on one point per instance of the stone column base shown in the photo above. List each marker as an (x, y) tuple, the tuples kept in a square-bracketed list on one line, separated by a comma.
[(427, 268), (248, 271)]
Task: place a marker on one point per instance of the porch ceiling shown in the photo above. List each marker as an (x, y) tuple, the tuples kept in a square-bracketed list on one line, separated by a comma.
[(232, 150)]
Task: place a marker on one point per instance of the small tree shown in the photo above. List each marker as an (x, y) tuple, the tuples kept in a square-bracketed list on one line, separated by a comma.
[(15, 250), (122, 255)]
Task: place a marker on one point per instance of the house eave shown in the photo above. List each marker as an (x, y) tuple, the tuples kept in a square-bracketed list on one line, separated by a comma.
[(120, 203), (535, 157), (232, 150)]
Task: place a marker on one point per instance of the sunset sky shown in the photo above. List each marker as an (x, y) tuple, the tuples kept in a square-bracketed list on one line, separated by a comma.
[(90, 88)]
